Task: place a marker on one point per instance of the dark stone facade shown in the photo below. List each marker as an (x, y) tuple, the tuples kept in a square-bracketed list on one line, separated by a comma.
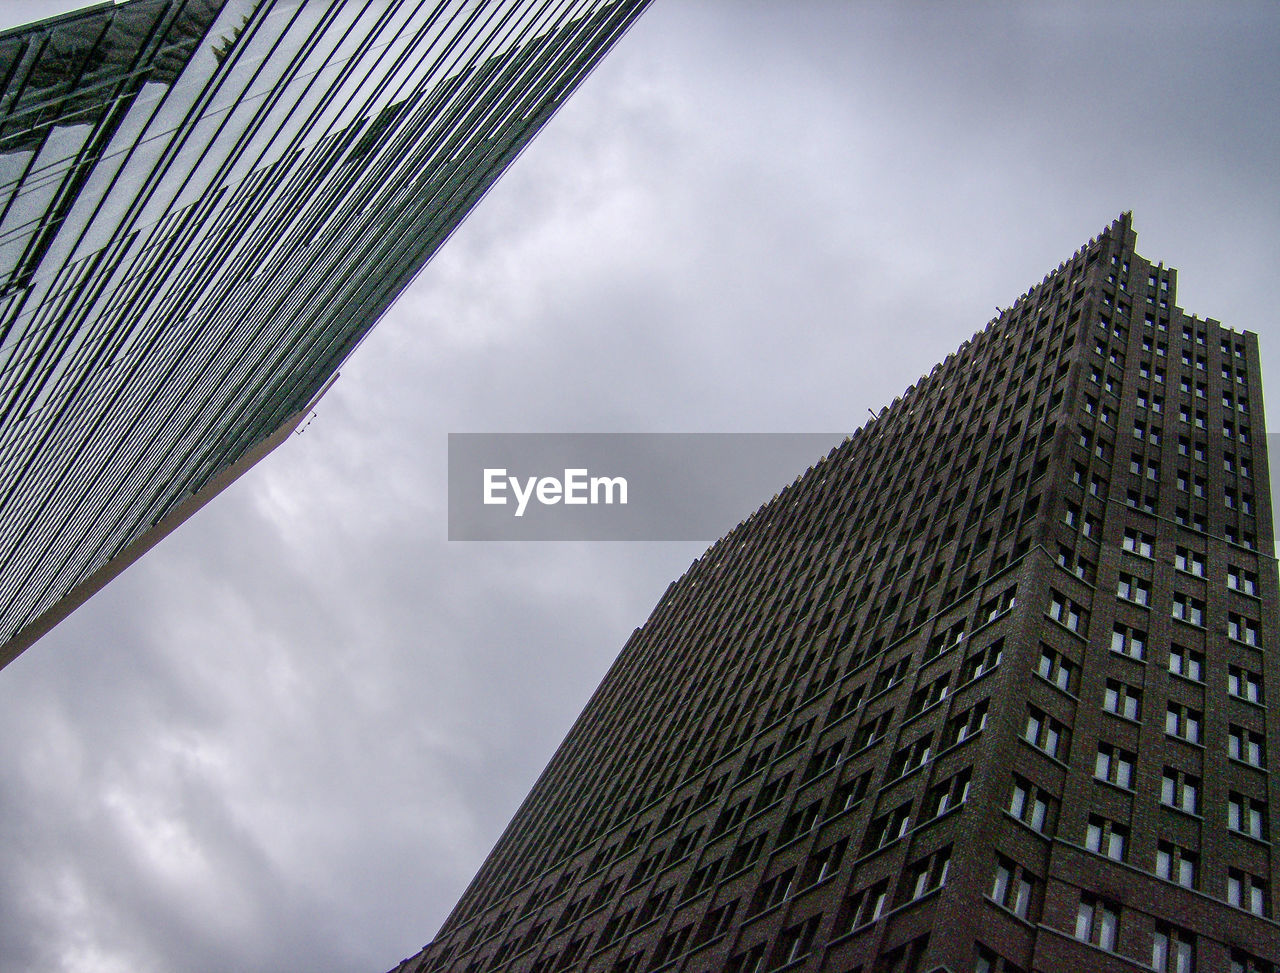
[(984, 690)]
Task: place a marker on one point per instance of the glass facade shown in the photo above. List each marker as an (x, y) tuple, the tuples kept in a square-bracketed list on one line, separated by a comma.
[(204, 205)]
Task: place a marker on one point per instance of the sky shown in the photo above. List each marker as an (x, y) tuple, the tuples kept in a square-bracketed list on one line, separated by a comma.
[(287, 737)]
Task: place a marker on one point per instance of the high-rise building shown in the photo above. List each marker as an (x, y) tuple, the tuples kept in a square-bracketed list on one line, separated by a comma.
[(204, 206), (986, 689)]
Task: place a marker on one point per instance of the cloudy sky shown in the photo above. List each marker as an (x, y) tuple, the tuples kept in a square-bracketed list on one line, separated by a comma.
[(286, 739)]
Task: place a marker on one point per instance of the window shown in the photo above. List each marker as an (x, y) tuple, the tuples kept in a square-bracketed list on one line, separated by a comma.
[(888, 827), (965, 725), (1012, 886), (1138, 543), (1182, 721), (865, 905), (748, 961), (1176, 864), (798, 822), (949, 794), (1242, 629), (1173, 949), (928, 696), (1190, 561), (1187, 663), (1246, 815), (1106, 837), (1067, 612), (1243, 684), (825, 863), (1188, 609), (850, 794), (1029, 804), (997, 606), (1122, 699), (1114, 765), (1128, 641), (1180, 790), (870, 731), (824, 760), (1133, 589), (928, 874), (747, 852), (1055, 668), (982, 661), (1242, 962), (1047, 734), (1097, 921), (1245, 891), (797, 940), (702, 879), (1246, 745), (774, 890), (1243, 581)]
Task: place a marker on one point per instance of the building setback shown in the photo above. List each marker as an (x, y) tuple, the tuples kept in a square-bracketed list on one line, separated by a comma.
[(204, 206), (986, 689)]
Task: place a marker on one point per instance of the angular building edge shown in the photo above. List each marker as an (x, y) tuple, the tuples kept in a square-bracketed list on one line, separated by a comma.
[(40, 626)]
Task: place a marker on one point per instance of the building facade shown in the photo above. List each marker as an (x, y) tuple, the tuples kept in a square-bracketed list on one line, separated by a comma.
[(204, 206), (986, 689)]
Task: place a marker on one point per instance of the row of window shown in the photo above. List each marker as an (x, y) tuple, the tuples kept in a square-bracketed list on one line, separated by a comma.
[(1173, 949)]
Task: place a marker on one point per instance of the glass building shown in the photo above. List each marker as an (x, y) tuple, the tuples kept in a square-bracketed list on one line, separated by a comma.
[(204, 206)]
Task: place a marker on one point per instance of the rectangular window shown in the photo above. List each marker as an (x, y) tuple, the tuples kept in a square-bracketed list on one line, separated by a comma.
[(1173, 949), (888, 827), (912, 756), (1243, 684), (1134, 589), (774, 891), (1097, 921), (965, 725), (1128, 641), (1187, 663), (825, 863), (1047, 734), (1106, 837), (1175, 864), (1055, 668), (981, 662), (1122, 699), (949, 794), (1184, 722), (1012, 886), (1242, 629), (1029, 804), (1190, 561), (1066, 612), (1114, 765), (1246, 745), (1245, 891), (1188, 609), (865, 906), (1246, 815), (1136, 542), (928, 874), (1180, 790), (1242, 962)]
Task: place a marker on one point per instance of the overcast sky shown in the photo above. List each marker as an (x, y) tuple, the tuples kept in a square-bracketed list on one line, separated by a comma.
[(286, 739)]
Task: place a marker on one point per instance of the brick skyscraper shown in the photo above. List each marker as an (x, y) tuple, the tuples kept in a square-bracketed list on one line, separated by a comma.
[(985, 690)]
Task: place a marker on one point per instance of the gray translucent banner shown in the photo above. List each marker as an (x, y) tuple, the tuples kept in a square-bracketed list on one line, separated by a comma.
[(618, 486)]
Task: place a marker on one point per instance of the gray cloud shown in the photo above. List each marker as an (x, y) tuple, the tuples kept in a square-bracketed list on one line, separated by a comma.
[(286, 739)]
